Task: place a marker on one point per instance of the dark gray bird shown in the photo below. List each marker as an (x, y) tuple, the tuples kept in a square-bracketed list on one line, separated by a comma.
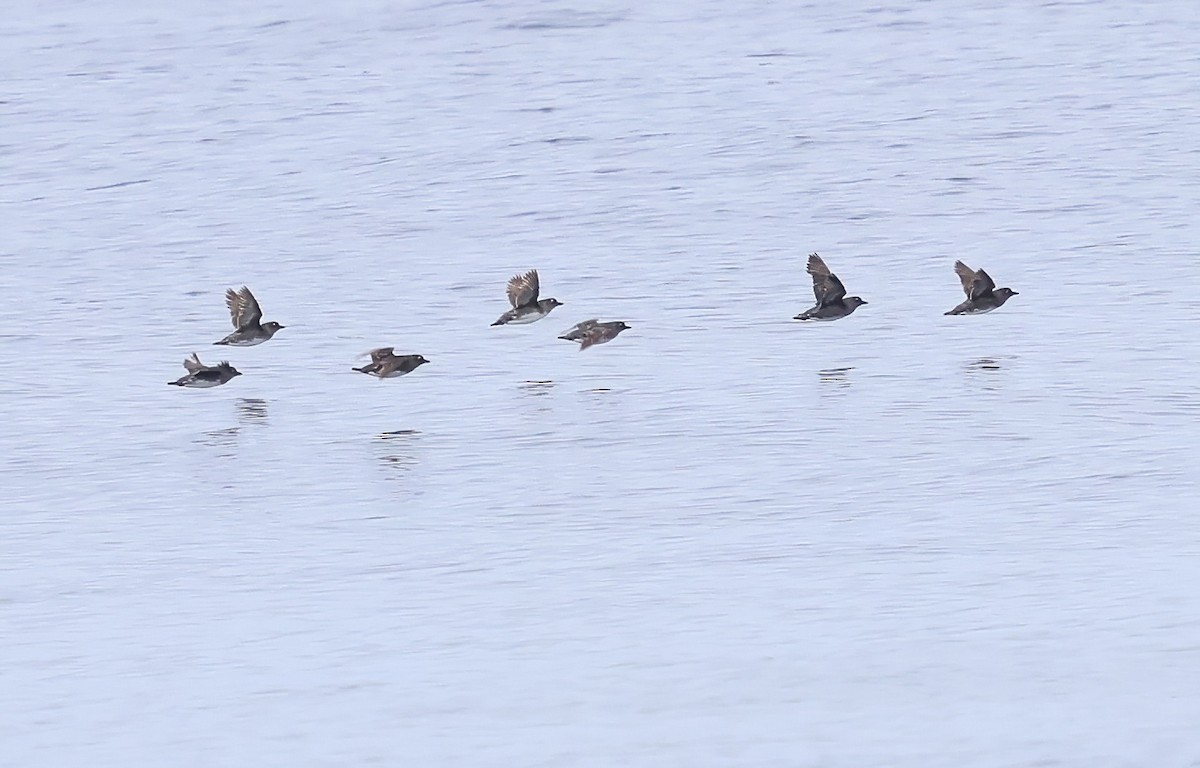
[(982, 294), (201, 376), (386, 365), (523, 296), (832, 301), (246, 316), (592, 332)]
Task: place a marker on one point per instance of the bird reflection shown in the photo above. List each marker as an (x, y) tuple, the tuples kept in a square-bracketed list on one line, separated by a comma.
[(225, 441), (251, 410), (399, 454), (537, 388), (835, 377), (983, 364), (985, 371)]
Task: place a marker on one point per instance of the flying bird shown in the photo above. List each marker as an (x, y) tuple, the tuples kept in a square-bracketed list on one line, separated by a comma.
[(201, 376), (246, 316), (592, 332), (982, 294), (832, 301), (386, 365), (523, 296)]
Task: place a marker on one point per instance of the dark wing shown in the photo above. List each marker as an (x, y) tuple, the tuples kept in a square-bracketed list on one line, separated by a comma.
[(383, 353), (243, 308), (385, 366), (523, 289), (578, 329), (582, 327), (251, 313), (590, 338), (826, 286), (975, 283), (233, 300), (193, 364), (983, 284)]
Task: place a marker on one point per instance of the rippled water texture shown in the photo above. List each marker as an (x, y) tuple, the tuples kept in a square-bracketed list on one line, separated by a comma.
[(725, 538)]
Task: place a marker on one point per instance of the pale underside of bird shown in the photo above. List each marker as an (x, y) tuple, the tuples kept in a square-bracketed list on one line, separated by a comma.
[(201, 376), (832, 301), (246, 316), (982, 294), (589, 333), (387, 365), (523, 291)]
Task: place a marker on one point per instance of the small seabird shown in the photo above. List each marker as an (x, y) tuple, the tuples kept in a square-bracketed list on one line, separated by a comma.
[(832, 301), (386, 365), (523, 295), (246, 316), (982, 293), (203, 376), (592, 332)]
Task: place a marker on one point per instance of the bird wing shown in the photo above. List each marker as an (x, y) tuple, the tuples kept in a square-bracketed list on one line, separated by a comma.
[(983, 284), (251, 313), (233, 300), (243, 308), (589, 338), (975, 283), (826, 286), (598, 335), (193, 364), (383, 353), (387, 365), (579, 328), (523, 289)]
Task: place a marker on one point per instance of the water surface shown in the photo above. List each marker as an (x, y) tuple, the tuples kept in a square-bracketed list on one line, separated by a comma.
[(723, 539)]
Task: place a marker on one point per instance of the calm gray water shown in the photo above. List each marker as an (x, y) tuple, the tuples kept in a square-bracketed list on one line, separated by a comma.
[(724, 539)]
